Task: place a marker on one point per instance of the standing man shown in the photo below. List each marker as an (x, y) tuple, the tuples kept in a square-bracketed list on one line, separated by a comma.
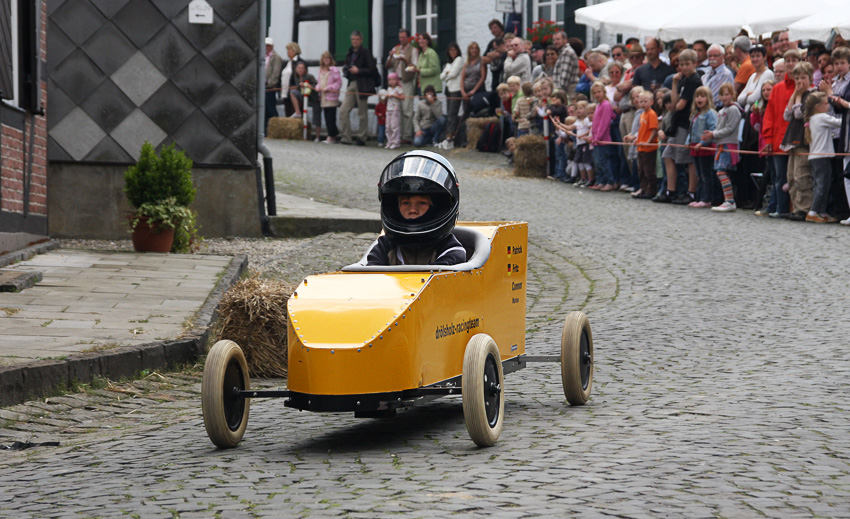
[(701, 48), (718, 73), (566, 68), (359, 69), (651, 75), (518, 62), (493, 57), (274, 66), (741, 46), (401, 57)]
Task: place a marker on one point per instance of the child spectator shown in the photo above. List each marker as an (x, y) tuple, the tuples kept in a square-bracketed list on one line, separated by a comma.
[(726, 139), (504, 92), (601, 133), (557, 112), (646, 145), (822, 151), (572, 166), (799, 171), (685, 84), (523, 109), (395, 95), (665, 128), (630, 125), (381, 117), (515, 86), (584, 156), (765, 195), (703, 122)]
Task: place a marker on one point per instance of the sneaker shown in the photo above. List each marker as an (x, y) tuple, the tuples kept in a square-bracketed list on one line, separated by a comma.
[(762, 212), (359, 142), (317, 140), (778, 215), (702, 205), (571, 180), (296, 116), (725, 207), (815, 218), (845, 222), (662, 198), (797, 216), (636, 193), (683, 199)]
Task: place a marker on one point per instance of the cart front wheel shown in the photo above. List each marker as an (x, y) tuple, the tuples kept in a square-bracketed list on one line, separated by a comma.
[(483, 388), (225, 415), (577, 358)]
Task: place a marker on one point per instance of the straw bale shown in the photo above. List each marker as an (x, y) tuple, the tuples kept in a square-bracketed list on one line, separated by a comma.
[(252, 314), (286, 128), (530, 156), (474, 129)]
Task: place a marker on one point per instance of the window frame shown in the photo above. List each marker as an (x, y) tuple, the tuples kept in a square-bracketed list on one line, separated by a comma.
[(431, 17)]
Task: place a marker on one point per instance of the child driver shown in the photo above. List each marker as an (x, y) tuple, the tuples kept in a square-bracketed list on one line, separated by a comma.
[(419, 198)]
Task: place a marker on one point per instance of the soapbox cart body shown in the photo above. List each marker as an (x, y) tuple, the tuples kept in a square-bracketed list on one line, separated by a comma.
[(371, 340)]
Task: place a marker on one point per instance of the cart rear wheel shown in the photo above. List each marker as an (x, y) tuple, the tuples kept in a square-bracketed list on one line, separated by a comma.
[(483, 388), (225, 415), (577, 358)]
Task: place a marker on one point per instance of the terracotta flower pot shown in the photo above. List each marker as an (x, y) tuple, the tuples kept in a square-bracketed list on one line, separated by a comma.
[(152, 239)]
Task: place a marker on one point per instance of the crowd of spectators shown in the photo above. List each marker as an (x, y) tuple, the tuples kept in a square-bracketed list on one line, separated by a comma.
[(743, 124)]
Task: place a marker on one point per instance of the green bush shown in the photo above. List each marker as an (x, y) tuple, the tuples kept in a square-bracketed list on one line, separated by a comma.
[(160, 188), (153, 178)]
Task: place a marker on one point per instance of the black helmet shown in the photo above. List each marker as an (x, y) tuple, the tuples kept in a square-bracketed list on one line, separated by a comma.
[(419, 172)]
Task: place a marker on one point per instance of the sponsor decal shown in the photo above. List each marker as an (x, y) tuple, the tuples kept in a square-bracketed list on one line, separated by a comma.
[(447, 330)]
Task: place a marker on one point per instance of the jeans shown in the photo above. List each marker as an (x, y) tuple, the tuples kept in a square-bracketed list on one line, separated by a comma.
[(330, 121), (822, 176), (707, 190), (453, 106), (605, 162), (382, 134), (780, 165), (271, 109), (432, 134), (560, 161)]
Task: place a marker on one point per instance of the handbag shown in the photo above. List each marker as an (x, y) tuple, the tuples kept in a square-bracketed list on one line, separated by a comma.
[(749, 135)]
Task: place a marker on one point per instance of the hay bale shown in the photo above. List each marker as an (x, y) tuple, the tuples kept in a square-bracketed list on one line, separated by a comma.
[(474, 129), (252, 313), (286, 128), (530, 156)]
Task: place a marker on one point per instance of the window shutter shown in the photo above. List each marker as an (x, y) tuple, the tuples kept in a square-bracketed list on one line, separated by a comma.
[(392, 23), (6, 90), (446, 30)]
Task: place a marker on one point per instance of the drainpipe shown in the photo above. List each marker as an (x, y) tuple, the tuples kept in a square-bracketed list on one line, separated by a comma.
[(261, 110)]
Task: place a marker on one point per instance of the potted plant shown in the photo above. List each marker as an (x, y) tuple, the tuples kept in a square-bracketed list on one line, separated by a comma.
[(159, 187)]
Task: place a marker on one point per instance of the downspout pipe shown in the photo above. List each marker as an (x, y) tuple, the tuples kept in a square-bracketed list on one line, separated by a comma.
[(268, 170)]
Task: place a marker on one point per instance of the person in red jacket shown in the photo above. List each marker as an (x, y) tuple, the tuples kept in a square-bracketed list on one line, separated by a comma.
[(773, 131)]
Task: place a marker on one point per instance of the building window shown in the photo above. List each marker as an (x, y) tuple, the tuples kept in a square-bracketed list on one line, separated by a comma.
[(424, 16), (549, 10)]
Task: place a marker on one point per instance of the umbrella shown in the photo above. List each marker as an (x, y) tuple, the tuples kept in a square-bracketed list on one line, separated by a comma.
[(716, 21), (820, 26)]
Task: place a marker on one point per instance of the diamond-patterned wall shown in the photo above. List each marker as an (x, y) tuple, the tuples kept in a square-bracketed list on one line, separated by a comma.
[(125, 71)]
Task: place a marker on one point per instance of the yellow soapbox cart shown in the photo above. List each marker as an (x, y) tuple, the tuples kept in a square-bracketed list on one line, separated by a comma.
[(371, 340)]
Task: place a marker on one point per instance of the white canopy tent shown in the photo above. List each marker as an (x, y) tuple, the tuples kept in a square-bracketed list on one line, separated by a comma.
[(820, 26), (714, 21)]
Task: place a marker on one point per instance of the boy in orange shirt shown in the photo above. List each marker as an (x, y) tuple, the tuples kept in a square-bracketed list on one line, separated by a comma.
[(647, 146)]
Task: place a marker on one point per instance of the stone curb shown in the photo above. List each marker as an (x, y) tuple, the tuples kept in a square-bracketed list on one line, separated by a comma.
[(42, 378), (304, 227), (28, 252)]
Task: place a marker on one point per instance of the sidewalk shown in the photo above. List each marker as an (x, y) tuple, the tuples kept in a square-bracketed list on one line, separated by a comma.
[(78, 315)]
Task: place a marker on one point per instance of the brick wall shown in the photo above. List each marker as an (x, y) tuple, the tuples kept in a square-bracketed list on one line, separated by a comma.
[(24, 154)]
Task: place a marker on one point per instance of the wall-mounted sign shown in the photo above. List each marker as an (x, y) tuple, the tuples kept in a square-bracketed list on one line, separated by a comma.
[(200, 12)]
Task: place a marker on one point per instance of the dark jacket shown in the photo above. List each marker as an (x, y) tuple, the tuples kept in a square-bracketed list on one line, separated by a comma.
[(367, 69), (447, 251)]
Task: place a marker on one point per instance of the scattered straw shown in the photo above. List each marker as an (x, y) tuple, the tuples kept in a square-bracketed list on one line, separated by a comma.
[(530, 156), (253, 315)]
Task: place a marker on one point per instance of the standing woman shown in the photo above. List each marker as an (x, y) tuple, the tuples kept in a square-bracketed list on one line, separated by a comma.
[(428, 65), (330, 83), (471, 82), (293, 52), (752, 90), (451, 77)]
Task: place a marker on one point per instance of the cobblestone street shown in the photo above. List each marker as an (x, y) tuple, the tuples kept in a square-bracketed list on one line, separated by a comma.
[(720, 385)]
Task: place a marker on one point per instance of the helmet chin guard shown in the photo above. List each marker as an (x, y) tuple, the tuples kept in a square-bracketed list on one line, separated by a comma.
[(424, 173)]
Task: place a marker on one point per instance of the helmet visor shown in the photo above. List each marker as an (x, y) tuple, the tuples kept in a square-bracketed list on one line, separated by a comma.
[(418, 168)]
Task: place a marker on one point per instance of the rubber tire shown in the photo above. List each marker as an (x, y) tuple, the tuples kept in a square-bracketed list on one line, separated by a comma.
[(573, 361), (481, 350), (215, 400)]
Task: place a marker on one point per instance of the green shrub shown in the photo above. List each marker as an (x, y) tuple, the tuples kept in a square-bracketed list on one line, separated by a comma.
[(153, 178)]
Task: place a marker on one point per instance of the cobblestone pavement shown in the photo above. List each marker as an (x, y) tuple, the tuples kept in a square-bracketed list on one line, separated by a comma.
[(720, 387)]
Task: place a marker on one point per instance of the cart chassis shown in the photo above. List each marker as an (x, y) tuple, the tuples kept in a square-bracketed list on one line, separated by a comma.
[(383, 401)]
